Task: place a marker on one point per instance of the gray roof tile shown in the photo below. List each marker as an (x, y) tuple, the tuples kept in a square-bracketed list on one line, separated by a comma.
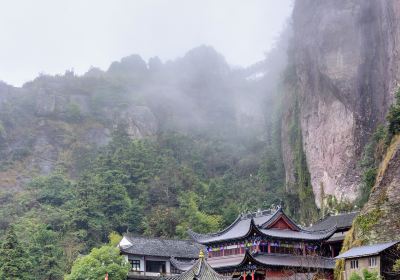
[(161, 247), (275, 260), (341, 221), (366, 250), (200, 270), (241, 227)]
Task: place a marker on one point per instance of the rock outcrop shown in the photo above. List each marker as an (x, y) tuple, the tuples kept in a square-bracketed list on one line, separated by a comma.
[(346, 59), (55, 121), (379, 219)]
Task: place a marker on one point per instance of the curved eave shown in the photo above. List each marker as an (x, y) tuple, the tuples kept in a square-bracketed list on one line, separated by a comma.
[(202, 238), (307, 235), (200, 270), (298, 262), (253, 230), (183, 266), (315, 236)]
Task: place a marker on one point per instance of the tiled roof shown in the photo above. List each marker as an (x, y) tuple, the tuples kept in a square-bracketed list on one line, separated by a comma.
[(258, 222), (341, 221), (366, 250), (200, 270), (296, 261), (299, 235), (182, 265), (160, 247), (238, 229), (276, 260)]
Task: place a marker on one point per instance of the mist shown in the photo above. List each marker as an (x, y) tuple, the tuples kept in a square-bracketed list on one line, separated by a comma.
[(53, 36)]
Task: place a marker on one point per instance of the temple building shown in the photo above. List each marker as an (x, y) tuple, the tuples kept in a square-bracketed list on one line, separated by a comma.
[(262, 245), (150, 257), (342, 222), (270, 245), (199, 270)]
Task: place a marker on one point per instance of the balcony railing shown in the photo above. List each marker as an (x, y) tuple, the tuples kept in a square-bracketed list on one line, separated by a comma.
[(151, 274)]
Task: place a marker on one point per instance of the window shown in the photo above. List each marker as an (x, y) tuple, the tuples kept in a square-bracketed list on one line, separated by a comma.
[(372, 262), (155, 266), (135, 265), (354, 264)]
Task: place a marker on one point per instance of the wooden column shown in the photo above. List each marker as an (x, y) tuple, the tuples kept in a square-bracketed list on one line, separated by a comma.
[(244, 275), (269, 247), (252, 275)]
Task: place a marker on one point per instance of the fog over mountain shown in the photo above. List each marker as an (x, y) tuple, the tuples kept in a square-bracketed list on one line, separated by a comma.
[(52, 36), (155, 117)]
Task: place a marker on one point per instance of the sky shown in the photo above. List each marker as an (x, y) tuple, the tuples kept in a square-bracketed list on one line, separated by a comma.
[(52, 36)]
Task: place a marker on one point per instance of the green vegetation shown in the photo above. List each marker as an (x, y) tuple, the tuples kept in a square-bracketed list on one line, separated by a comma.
[(372, 155), (14, 261), (393, 116), (377, 147), (366, 275), (100, 261), (73, 112), (365, 222), (396, 266), (201, 155), (355, 276), (300, 200), (376, 156), (150, 186)]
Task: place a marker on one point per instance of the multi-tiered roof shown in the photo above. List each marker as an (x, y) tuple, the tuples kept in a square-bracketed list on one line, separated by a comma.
[(198, 270), (267, 224)]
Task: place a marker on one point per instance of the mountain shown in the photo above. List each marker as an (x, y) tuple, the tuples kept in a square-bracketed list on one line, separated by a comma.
[(149, 147), (343, 73)]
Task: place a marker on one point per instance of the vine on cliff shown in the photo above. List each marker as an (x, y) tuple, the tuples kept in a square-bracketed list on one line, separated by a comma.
[(303, 200)]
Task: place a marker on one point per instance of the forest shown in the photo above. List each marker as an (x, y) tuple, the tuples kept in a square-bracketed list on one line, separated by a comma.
[(189, 172)]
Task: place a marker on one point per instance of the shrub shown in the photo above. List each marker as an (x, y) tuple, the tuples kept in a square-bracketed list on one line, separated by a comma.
[(355, 276)]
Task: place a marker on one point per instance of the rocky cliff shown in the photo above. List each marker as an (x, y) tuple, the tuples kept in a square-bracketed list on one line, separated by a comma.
[(52, 122), (59, 121), (346, 66)]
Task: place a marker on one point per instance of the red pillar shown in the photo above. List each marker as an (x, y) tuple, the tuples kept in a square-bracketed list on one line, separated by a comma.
[(269, 247), (252, 275), (244, 275)]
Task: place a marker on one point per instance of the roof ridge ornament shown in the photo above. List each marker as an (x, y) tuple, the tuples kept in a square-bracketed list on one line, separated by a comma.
[(201, 254)]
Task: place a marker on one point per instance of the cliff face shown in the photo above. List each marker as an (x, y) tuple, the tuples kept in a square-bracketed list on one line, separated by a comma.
[(378, 220), (60, 121), (51, 123), (346, 58)]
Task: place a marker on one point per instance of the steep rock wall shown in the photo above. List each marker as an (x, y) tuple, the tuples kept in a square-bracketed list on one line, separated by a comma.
[(346, 62)]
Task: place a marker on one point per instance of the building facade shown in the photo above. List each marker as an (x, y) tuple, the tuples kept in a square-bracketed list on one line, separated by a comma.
[(378, 258), (261, 245), (151, 257), (269, 245)]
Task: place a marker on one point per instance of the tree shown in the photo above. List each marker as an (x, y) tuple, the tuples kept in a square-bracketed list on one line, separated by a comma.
[(54, 189), (14, 262), (194, 218), (100, 261), (49, 256)]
